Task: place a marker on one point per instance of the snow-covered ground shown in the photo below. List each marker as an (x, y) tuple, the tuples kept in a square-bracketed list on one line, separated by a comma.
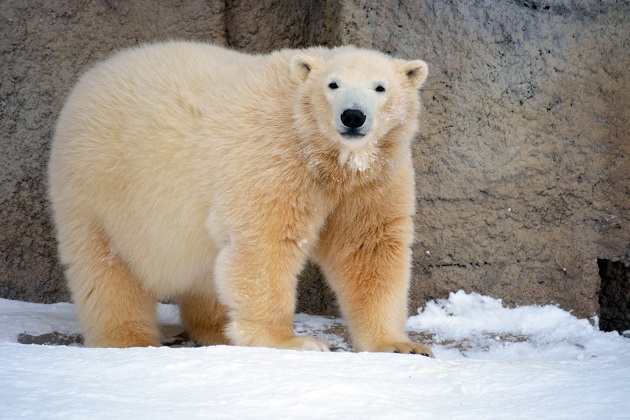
[(491, 362)]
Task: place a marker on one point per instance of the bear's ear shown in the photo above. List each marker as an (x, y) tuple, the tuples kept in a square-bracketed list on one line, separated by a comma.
[(301, 65), (415, 71)]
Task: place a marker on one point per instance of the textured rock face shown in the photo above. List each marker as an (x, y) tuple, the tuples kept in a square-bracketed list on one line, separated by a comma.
[(267, 25), (523, 175), (45, 46)]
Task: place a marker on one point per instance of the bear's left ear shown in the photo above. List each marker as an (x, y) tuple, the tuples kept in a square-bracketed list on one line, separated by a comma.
[(302, 65), (415, 71)]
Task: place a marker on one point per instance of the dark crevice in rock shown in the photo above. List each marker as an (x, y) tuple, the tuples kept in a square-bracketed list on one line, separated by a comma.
[(614, 295)]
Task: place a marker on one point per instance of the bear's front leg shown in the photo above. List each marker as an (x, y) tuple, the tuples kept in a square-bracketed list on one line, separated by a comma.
[(364, 251), (256, 280)]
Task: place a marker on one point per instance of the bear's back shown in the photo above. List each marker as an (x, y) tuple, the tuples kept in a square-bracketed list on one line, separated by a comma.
[(151, 137)]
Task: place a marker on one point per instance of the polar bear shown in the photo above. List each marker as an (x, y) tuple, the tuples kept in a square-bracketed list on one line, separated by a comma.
[(193, 173)]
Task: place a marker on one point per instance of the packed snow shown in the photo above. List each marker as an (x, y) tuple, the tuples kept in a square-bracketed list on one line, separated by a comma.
[(491, 362)]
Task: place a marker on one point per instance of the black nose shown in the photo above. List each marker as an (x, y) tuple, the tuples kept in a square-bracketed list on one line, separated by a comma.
[(352, 118)]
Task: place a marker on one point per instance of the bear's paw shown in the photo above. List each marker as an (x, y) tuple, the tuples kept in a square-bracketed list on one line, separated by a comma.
[(405, 347), (305, 344)]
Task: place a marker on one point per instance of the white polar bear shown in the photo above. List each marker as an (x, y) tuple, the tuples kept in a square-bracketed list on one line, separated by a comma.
[(190, 172)]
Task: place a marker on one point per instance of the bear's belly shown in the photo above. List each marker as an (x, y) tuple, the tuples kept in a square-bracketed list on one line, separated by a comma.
[(168, 259), (157, 226)]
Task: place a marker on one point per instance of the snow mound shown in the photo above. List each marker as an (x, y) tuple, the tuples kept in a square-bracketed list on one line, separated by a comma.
[(480, 326)]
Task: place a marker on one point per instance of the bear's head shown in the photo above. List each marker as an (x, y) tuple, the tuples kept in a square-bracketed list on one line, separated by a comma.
[(357, 99)]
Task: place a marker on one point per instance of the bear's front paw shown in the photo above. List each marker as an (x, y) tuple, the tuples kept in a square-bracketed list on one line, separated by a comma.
[(405, 347), (305, 343)]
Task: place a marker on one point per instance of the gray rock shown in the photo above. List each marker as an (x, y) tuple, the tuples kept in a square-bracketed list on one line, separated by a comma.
[(523, 176), (45, 47)]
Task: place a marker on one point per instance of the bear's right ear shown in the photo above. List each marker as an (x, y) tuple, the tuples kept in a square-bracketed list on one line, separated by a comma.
[(301, 65), (415, 71)]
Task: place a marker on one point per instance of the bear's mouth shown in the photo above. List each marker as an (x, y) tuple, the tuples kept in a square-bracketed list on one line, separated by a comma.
[(352, 134)]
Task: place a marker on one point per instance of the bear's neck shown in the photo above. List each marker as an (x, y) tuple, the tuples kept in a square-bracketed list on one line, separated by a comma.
[(340, 172)]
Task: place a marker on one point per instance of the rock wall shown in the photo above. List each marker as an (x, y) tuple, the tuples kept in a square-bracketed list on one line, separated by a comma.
[(45, 45), (523, 176)]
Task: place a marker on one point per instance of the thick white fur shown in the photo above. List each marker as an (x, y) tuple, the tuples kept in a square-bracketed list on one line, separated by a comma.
[(190, 172)]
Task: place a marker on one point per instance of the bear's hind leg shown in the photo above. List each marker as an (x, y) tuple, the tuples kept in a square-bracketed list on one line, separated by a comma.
[(204, 317), (113, 308)]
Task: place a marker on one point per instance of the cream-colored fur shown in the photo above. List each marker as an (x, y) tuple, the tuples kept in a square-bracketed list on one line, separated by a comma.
[(190, 172)]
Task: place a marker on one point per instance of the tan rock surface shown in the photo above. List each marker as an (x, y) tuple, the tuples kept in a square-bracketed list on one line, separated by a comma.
[(523, 169), (44, 47)]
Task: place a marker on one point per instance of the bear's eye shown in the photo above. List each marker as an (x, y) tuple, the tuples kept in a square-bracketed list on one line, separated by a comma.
[(379, 88), (333, 85)]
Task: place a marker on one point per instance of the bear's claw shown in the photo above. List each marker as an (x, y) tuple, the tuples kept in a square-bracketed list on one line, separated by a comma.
[(405, 348)]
